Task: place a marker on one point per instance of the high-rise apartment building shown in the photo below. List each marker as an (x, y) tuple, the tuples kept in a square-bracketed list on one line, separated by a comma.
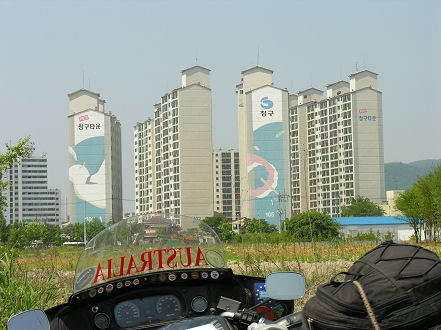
[(263, 146), (226, 187), (173, 151), (27, 195), (95, 170), (336, 145)]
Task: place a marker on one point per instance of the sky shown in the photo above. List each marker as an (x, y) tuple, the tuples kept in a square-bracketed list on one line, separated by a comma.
[(132, 53)]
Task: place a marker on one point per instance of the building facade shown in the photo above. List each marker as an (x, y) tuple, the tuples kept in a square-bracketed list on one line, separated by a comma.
[(27, 194), (173, 151), (226, 187), (336, 145), (388, 206), (263, 147), (95, 170)]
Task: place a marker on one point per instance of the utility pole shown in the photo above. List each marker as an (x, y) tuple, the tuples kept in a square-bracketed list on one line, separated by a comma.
[(85, 239), (279, 212)]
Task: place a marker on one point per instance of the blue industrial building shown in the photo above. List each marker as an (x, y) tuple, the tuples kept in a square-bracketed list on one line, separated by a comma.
[(397, 226)]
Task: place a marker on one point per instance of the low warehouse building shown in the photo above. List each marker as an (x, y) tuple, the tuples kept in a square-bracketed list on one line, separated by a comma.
[(399, 228)]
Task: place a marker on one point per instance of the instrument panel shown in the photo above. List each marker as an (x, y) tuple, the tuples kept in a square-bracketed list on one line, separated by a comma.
[(148, 310), (154, 300)]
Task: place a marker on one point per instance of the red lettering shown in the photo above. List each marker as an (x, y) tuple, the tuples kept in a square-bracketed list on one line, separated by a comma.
[(121, 268), (171, 258), (99, 272), (132, 264), (109, 269), (159, 258), (148, 261), (199, 258), (188, 256)]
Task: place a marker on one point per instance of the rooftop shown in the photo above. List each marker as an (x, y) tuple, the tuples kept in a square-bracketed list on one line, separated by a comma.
[(194, 67), (257, 68), (310, 89), (85, 91), (359, 72), (369, 221)]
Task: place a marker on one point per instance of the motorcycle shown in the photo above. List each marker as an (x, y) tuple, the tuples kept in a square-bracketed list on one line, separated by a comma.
[(166, 272)]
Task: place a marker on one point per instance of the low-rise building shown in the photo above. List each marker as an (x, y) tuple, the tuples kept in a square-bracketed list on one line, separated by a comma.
[(396, 227), (27, 194)]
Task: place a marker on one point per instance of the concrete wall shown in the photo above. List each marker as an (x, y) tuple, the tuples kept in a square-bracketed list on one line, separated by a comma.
[(363, 79), (255, 78), (401, 232), (196, 147), (83, 99), (196, 75), (368, 148), (337, 88)]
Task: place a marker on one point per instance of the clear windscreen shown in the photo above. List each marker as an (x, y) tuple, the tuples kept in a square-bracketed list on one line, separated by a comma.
[(146, 244)]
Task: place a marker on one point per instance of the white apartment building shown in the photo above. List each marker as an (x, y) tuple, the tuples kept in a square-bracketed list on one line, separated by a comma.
[(226, 187), (263, 147), (336, 145), (173, 151), (95, 166), (27, 194)]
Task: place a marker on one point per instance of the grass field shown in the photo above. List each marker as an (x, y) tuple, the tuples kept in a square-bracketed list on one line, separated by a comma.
[(42, 278)]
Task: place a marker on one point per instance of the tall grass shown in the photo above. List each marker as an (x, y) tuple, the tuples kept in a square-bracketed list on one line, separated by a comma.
[(42, 278), (23, 287)]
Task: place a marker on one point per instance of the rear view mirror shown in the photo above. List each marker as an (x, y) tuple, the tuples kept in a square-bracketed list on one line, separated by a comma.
[(285, 285), (34, 319)]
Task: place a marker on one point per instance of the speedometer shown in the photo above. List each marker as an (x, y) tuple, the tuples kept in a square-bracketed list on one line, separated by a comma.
[(168, 307), (126, 314)]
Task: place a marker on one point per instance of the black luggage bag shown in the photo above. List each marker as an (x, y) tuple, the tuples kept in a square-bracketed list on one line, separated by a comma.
[(393, 286)]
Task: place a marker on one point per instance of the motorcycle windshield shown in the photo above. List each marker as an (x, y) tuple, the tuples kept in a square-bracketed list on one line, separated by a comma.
[(147, 244)]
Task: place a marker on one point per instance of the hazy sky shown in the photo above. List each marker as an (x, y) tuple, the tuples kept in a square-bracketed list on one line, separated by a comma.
[(132, 53)]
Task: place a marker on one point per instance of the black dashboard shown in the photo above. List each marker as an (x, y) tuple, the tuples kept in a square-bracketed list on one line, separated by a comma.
[(154, 300)]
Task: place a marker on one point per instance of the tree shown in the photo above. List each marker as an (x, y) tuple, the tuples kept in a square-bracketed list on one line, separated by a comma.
[(93, 227), (257, 226), (226, 231), (422, 205), (322, 225), (361, 207), (215, 222), (410, 205), (22, 149)]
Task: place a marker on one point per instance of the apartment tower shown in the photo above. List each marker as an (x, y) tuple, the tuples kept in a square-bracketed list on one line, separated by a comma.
[(336, 145), (95, 170), (263, 147), (173, 151), (226, 174)]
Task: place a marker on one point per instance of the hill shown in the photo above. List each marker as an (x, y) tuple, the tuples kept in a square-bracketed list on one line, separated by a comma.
[(402, 176)]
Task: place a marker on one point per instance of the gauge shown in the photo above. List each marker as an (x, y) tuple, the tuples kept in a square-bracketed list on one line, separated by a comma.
[(126, 313), (101, 321), (168, 306), (199, 304)]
